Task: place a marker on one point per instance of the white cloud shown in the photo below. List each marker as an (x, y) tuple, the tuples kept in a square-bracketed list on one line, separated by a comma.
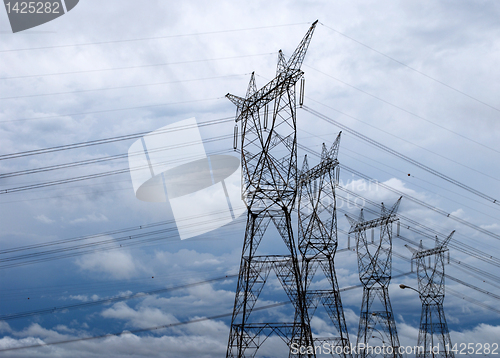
[(143, 318), (456, 44), (118, 264)]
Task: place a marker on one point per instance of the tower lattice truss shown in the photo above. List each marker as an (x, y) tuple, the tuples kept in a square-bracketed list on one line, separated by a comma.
[(318, 242), (377, 326), (267, 118), (433, 335)]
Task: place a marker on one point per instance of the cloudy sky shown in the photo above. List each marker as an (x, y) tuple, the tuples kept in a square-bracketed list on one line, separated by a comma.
[(420, 77)]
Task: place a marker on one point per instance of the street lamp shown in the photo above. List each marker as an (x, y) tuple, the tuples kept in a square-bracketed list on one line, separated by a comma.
[(401, 286)]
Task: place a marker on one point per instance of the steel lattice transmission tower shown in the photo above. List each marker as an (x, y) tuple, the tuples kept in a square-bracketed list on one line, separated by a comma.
[(433, 327), (267, 119), (318, 239), (375, 267)]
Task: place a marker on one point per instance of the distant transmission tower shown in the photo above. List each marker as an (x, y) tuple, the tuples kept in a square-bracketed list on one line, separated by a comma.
[(375, 268), (269, 188), (433, 328), (318, 240)]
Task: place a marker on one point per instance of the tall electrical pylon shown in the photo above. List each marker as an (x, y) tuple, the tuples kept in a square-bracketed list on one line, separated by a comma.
[(433, 327), (375, 269), (318, 241), (269, 189)]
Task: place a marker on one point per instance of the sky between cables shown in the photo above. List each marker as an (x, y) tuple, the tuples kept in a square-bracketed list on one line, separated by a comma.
[(73, 207)]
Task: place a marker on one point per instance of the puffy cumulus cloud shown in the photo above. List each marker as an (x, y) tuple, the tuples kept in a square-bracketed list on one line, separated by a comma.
[(195, 300), (4, 327), (124, 345), (84, 298), (421, 34), (118, 264), (482, 333), (144, 317), (185, 261), (478, 336)]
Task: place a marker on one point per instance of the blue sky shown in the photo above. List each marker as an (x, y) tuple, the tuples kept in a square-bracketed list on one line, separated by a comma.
[(420, 77)]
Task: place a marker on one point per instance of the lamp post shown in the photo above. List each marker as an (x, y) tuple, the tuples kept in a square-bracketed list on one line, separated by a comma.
[(402, 286)]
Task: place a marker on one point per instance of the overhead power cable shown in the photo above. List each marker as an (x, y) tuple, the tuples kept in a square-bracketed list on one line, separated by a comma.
[(111, 110), (475, 288), (115, 157), (399, 155), (402, 109), (26, 314), (266, 307), (412, 68), (460, 246), (467, 298), (171, 325), (110, 139), (153, 38), (409, 197), (472, 300), (169, 234), (87, 177), (472, 270), (119, 87), (138, 66)]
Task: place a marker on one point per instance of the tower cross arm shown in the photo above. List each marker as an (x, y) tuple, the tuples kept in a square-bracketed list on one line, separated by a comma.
[(237, 100), (435, 250), (429, 252), (317, 171), (365, 225), (266, 94)]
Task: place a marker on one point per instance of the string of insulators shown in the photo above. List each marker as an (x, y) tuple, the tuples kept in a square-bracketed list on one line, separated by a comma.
[(235, 138), (301, 91), (266, 115)]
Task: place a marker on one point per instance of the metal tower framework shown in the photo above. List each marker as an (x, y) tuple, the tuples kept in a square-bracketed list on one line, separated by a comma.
[(433, 327), (375, 269), (269, 189), (318, 240)]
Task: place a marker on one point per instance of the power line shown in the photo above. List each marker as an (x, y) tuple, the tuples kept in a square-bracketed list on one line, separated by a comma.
[(401, 156), (421, 187), (110, 244), (463, 283), (411, 68), (43, 311), (120, 87), (279, 304), (415, 200), (459, 264), (152, 38), (112, 157), (402, 109), (111, 110), (274, 305), (138, 66), (406, 141), (471, 251), (109, 140)]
